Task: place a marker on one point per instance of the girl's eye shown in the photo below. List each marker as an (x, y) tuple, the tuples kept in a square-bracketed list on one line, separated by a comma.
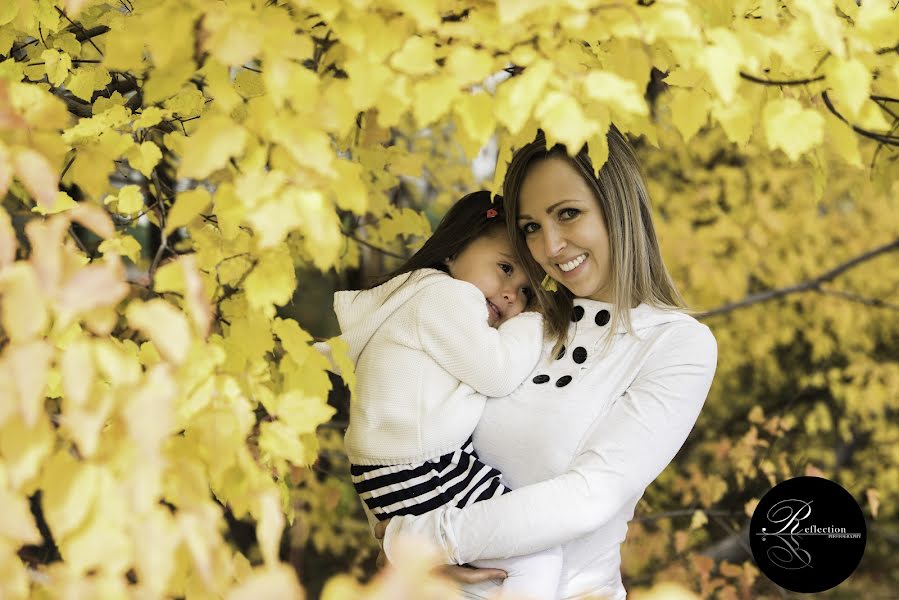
[(573, 212), (507, 268), (528, 294), (529, 227)]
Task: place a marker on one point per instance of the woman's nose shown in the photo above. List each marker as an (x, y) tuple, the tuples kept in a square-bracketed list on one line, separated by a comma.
[(553, 244)]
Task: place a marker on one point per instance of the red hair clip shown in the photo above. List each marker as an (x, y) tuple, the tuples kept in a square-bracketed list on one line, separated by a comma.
[(491, 213)]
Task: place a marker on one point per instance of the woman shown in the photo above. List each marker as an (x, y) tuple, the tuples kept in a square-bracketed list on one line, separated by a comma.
[(615, 394)]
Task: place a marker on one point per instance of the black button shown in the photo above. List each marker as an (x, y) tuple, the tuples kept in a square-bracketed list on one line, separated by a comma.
[(541, 379), (579, 355), (578, 313), (563, 381), (602, 317), (561, 353)]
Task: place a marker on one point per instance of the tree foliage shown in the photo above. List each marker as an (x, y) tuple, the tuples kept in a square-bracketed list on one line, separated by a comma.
[(166, 166)]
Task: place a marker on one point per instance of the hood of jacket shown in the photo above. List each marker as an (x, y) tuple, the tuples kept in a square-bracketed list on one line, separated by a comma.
[(361, 313)]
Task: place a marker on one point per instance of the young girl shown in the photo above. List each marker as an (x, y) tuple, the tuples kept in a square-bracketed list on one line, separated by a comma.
[(430, 343)]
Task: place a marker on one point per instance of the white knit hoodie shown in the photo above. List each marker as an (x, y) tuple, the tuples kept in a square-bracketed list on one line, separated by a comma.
[(425, 361)]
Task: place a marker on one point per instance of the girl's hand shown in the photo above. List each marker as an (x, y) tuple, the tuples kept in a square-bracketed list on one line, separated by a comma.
[(459, 573)]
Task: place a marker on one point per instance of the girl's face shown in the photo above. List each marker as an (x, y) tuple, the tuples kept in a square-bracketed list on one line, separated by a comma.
[(565, 229), (489, 263)]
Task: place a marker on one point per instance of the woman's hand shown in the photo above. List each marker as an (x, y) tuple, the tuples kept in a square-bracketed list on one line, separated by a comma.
[(460, 573)]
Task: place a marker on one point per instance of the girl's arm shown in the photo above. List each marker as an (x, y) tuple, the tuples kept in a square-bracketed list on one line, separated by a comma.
[(451, 318), (627, 448)]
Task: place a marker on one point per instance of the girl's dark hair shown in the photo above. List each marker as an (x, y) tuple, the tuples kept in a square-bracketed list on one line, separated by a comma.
[(465, 221)]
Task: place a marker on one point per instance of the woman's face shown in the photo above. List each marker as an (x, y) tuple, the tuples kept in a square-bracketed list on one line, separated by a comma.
[(565, 229), (489, 263)]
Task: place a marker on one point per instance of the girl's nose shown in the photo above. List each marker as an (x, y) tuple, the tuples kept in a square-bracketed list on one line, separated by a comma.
[(510, 294)]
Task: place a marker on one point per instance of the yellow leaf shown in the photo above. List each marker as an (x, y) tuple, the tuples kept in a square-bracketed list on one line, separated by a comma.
[(229, 211), (269, 527), (826, 24), (303, 414), (164, 325), (61, 203), (28, 363), (475, 111), (842, 140), (24, 310), (272, 281), (618, 93), (432, 99), (123, 245), (350, 192), (468, 65), (342, 587), (216, 140), (150, 116), (100, 284), (16, 522), (86, 80), (564, 121), (118, 362), (367, 80), (144, 157), (24, 449), (279, 581), (515, 99), (249, 84), (128, 201), (736, 118), (511, 11), (57, 65), (37, 175), (756, 414), (851, 82), (873, 497), (77, 367), (340, 356), (8, 242), (416, 57), (69, 492), (698, 520), (233, 38), (749, 507), (280, 443), (665, 590), (722, 61), (187, 206), (792, 128), (189, 102), (689, 110)]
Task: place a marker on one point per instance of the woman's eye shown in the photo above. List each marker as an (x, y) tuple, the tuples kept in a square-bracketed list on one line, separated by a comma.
[(529, 227), (507, 268), (572, 212)]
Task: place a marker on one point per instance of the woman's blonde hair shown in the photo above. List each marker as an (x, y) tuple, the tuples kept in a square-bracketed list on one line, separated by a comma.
[(638, 273)]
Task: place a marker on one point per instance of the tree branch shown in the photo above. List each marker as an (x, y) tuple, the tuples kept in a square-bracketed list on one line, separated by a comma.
[(779, 82), (372, 246), (883, 139), (810, 285)]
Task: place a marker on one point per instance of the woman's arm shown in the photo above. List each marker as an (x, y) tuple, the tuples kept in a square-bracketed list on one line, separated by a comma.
[(627, 448), (451, 318)]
